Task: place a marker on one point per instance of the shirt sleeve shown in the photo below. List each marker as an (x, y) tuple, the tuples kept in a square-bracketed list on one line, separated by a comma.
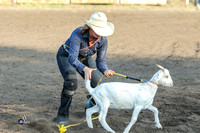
[(75, 41), (101, 56)]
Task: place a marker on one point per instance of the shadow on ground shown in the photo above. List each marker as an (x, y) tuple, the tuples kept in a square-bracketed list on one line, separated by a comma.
[(31, 84)]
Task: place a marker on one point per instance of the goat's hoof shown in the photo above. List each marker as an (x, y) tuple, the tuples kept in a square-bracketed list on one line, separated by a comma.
[(126, 131), (90, 126), (159, 126)]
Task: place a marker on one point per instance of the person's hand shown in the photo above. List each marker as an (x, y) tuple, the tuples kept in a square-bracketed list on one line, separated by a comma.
[(109, 73), (88, 72)]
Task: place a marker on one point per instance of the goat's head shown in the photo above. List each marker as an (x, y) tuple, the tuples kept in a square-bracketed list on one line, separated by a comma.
[(163, 77)]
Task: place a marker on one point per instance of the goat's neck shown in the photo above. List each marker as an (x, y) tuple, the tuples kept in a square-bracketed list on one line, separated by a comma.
[(155, 79), (151, 88), (153, 82)]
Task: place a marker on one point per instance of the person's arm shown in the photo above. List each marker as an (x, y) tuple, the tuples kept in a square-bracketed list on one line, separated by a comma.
[(75, 41), (101, 59), (101, 56)]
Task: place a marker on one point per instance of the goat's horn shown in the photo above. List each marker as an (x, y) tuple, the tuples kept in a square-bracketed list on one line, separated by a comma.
[(159, 66)]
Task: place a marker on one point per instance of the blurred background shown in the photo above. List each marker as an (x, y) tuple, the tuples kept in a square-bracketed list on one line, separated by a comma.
[(177, 3)]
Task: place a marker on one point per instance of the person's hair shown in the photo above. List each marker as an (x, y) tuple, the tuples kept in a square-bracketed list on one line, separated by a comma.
[(84, 28)]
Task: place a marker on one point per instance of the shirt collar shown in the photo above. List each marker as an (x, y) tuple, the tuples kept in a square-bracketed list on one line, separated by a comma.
[(86, 35)]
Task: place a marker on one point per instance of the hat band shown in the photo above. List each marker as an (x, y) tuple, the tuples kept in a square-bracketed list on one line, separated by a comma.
[(98, 23)]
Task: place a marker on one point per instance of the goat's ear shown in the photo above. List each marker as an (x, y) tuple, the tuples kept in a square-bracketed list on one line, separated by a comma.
[(159, 66)]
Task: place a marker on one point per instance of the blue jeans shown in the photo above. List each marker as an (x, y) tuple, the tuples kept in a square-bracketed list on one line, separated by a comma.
[(69, 72)]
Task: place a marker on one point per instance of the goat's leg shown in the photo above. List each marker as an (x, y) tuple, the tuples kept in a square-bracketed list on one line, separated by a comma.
[(155, 111), (89, 113), (102, 117), (135, 114)]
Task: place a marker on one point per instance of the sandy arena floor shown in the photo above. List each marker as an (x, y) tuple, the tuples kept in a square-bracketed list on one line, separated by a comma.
[(31, 83)]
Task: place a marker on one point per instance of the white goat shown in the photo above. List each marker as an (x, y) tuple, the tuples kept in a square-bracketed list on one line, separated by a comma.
[(118, 95)]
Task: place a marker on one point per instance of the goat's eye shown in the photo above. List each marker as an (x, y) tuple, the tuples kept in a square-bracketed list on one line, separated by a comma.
[(167, 76)]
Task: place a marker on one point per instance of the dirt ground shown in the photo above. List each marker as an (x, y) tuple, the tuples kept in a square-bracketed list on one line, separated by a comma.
[(30, 81)]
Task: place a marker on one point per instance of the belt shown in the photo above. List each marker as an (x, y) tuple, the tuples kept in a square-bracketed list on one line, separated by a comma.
[(80, 58)]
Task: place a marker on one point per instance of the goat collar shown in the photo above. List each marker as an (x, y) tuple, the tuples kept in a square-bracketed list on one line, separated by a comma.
[(153, 83)]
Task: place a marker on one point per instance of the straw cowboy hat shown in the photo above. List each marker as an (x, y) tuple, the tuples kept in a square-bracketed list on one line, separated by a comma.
[(98, 22)]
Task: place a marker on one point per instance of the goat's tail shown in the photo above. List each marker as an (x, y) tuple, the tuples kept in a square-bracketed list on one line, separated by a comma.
[(88, 86)]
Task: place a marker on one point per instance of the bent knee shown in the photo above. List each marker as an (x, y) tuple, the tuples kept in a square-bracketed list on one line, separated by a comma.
[(70, 86)]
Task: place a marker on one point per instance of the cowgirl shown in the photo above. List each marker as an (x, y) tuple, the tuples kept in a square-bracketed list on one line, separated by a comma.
[(75, 56)]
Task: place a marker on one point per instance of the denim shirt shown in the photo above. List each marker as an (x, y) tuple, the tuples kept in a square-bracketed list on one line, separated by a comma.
[(77, 45)]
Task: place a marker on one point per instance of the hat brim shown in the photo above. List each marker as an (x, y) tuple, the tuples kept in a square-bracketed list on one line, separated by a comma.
[(105, 31)]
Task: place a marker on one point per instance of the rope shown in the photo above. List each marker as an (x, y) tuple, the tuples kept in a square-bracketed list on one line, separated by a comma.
[(141, 80), (63, 129), (120, 75)]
